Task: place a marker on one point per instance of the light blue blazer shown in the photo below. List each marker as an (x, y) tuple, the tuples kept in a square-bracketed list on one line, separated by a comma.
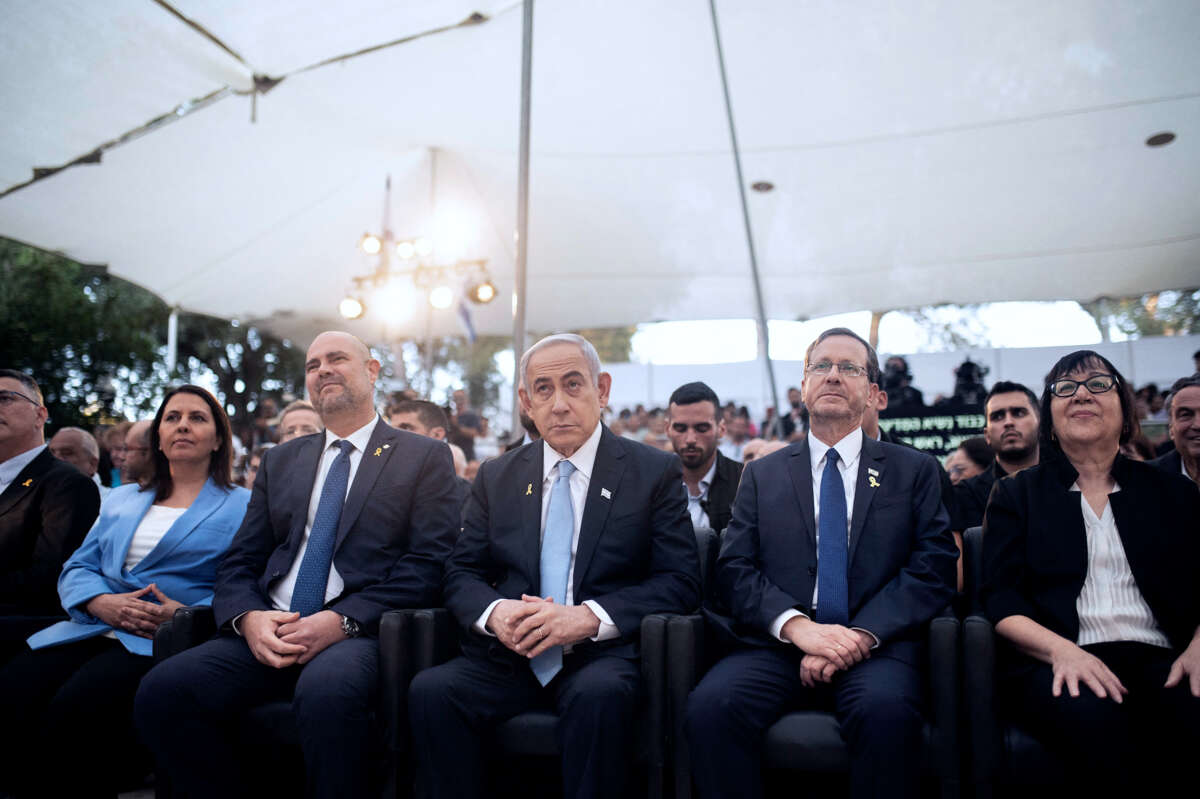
[(183, 563)]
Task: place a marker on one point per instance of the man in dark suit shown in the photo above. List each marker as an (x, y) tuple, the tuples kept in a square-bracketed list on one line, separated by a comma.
[(342, 526), (1183, 425), (567, 543), (46, 509), (695, 427), (838, 554)]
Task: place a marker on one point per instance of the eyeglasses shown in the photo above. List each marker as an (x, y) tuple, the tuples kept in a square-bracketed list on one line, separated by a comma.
[(845, 369), (9, 397), (1096, 384)]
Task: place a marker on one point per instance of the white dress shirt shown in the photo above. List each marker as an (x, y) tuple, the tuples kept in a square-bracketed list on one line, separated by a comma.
[(849, 450), (153, 526), (281, 592), (13, 466), (695, 509), (584, 461), (1110, 605)]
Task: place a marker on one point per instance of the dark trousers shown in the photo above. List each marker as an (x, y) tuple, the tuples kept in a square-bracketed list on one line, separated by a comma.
[(68, 719), (16, 627), (188, 704), (1150, 739), (878, 703), (452, 707)]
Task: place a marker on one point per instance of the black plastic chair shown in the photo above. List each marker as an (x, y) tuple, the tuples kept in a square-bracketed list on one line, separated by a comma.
[(811, 741), (1002, 755), (269, 730)]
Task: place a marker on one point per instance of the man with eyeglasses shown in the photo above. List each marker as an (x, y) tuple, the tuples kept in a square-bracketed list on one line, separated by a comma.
[(838, 555), (138, 464), (46, 508), (1011, 429)]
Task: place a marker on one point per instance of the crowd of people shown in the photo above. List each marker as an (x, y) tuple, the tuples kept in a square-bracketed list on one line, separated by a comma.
[(839, 545)]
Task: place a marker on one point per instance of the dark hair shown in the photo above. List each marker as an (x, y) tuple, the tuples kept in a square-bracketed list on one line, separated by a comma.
[(429, 414), (872, 358), (1078, 360), (1191, 381), (1142, 446), (1008, 387), (691, 393), (25, 380), (220, 464), (976, 448)]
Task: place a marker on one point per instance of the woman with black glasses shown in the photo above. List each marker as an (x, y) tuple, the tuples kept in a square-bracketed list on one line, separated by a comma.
[(1091, 575)]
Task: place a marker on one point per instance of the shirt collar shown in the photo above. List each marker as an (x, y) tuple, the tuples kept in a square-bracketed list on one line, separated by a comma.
[(707, 479), (13, 466), (358, 438), (848, 448), (584, 459)]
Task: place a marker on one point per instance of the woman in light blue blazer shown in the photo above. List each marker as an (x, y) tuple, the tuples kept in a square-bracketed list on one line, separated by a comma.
[(68, 700)]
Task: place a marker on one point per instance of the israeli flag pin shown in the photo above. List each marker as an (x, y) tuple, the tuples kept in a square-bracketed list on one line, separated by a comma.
[(604, 492), (872, 472)]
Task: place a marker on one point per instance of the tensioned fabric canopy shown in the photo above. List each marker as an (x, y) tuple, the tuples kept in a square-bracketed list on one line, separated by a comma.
[(921, 152)]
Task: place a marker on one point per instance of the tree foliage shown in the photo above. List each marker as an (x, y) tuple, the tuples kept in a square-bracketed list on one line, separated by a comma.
[(1162, 313), (84, 335)]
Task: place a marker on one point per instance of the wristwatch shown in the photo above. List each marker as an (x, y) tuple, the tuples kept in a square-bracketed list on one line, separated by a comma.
[(350, 627)]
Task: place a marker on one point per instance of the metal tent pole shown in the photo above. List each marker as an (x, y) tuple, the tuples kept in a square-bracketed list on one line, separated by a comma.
[(518, 336)]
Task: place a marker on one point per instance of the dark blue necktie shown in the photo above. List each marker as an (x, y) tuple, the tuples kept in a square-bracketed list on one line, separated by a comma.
[(308, 595), (833, 601)]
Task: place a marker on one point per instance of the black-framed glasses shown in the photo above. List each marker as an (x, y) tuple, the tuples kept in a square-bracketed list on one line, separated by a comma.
[(9, 397), (1096, 384), (844, 368)]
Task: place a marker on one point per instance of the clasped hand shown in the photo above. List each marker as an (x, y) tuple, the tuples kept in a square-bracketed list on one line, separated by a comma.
[(532, 625), (279, 639), (132, 614), (828, 648)]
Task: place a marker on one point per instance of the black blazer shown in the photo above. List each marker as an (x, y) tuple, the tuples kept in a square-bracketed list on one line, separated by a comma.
[(396, 530), (44, 515), (1035, 545), (901, 559), (718, 505), (636, 553), (1171, 463)]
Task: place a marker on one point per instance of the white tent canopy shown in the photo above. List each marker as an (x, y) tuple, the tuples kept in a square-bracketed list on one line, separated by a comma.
[(933, 151)]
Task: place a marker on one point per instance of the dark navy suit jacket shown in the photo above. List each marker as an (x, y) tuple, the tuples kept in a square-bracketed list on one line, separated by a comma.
[(396, 530), (636, 553), (902, 557)]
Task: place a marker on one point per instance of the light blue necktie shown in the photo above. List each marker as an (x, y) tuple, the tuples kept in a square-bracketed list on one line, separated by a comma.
[(308, 595), (833, 600), (556, 562)]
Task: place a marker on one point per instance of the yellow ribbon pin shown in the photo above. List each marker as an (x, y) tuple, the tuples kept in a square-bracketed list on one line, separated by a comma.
[(378, 451), (529, 490), (28, 483), (871, 481)]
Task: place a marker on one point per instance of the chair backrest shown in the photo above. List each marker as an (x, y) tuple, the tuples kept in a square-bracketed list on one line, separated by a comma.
[(973, 568)]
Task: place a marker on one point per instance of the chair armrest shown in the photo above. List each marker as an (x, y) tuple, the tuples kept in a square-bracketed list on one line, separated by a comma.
[(685, 659), (187, 628), (435, 638), (979, 678), (944, 693), (654, 676), (396, 670)]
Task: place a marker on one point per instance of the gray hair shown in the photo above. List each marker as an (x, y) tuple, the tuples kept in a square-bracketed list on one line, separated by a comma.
[(86, 440), (585, 346), (1191, 381)]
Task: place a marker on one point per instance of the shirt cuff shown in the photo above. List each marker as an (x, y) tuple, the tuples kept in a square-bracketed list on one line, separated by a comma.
[(874, 637), (480, 625), (782, 619), (236, 623), (607, 630)]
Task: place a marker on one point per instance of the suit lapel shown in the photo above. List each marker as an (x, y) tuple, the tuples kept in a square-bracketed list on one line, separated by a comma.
[(32, 473), (530, 487), (870, 477), (301, 473), (800, 468), (380, 448), (207, 501), (606, 475), (124, 527)]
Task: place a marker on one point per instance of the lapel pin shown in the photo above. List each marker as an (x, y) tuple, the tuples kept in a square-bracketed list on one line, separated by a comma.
[(604, 492), (529, 490), (871, 481), (387, 446), (378, 450), (28, 483), (872, 472)]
